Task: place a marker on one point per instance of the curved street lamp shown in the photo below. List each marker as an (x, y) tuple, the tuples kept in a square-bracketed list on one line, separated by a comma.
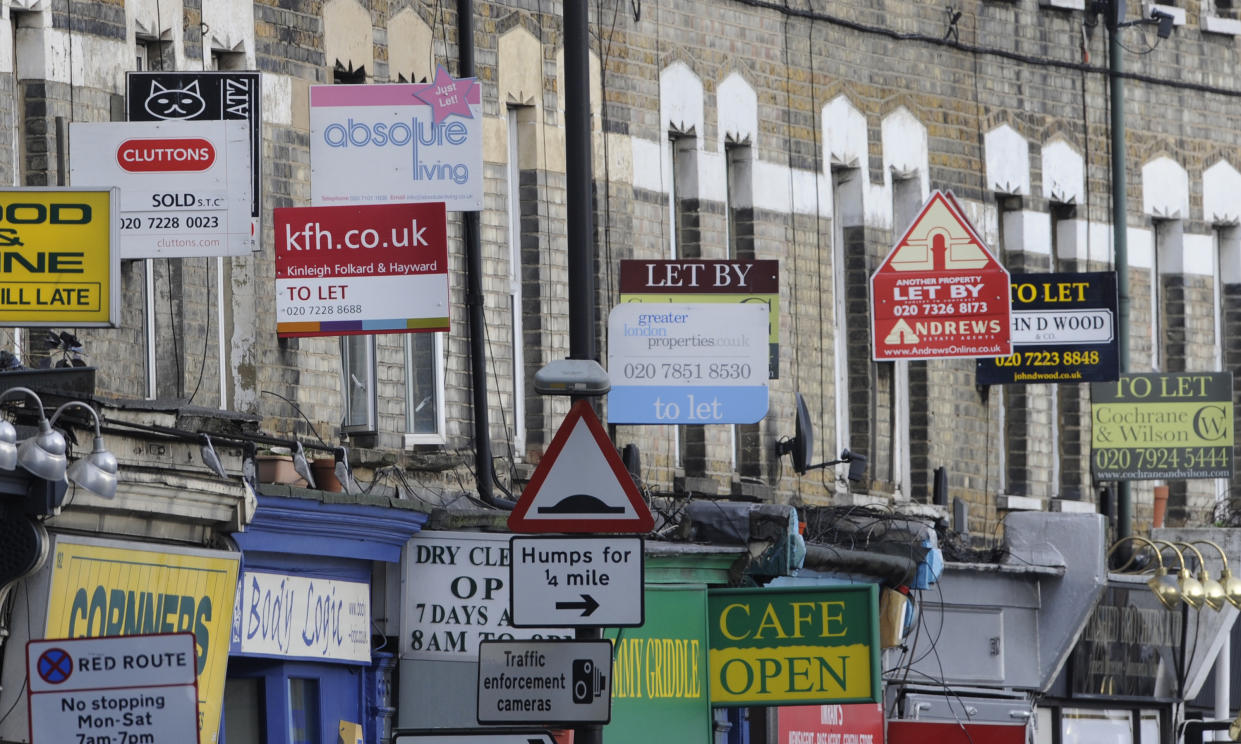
[(96, 472), (1165, 590)]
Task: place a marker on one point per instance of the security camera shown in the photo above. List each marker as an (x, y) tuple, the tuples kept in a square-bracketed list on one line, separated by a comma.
[(1165, 21)]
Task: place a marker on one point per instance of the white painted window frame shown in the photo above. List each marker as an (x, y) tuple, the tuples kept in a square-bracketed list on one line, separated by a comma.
[(907, 199), (436, 342), (357, 363)]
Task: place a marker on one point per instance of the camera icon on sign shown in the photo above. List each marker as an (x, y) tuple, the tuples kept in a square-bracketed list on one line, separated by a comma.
[(588, 681)]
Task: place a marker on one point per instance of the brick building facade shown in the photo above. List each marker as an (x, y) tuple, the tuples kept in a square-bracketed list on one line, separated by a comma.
[(799, 132)]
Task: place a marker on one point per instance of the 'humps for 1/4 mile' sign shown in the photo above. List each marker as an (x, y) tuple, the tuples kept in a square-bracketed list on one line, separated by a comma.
[(1158, 425)]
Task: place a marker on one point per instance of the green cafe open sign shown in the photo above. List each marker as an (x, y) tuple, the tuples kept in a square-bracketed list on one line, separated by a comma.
[(796, 646)]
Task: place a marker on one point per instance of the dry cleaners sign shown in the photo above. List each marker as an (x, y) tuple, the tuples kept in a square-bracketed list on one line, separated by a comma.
[(462, 596), (794, 646), (302, 617)]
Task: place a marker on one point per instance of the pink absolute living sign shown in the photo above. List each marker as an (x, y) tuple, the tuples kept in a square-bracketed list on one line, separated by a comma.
[(421, 142)]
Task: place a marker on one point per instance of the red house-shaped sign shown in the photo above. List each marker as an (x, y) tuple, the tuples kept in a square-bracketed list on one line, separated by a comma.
[(940, 293)]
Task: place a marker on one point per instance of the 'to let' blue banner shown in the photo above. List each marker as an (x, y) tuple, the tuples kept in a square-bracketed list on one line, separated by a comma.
[(680, 405), (687, 363)]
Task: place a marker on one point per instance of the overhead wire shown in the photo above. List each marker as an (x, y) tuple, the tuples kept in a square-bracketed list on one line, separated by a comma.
[(991, 51)]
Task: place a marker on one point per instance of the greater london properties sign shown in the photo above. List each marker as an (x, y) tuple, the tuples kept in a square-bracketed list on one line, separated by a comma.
[(794, 646), (1162, 425)]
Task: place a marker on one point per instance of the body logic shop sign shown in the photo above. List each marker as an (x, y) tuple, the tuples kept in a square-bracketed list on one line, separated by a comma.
[(397, 143), (794, 646), (103, 589)]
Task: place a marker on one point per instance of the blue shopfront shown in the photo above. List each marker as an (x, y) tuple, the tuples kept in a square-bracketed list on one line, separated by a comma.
[(311, 659)]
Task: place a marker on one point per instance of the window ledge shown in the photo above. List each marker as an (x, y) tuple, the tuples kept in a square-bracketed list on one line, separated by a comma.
[(1216, 25), (1019, 503), (1063, 4), (1072, 505), (416, 440)]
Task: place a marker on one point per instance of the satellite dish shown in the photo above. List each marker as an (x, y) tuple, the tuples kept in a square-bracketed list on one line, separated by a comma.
[(801, 445)]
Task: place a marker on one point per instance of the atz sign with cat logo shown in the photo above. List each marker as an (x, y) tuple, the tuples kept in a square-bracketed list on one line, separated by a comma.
[(372, 144), (185, 186), (205, 95)]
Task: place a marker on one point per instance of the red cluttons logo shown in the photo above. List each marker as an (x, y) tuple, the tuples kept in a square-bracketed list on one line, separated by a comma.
[(149, 155)]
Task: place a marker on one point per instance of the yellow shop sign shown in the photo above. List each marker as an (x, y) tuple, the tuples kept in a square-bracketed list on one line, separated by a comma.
[(58, 260), (800, 646), (102, 589)]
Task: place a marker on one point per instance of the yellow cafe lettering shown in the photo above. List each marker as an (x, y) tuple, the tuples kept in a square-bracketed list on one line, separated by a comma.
[(826, 616), (794, 646)]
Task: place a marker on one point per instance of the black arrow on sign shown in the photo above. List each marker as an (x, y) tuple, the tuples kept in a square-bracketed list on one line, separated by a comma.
[(588, 605)]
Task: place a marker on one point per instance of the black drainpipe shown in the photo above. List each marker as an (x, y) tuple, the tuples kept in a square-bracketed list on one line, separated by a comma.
[(474, 296)]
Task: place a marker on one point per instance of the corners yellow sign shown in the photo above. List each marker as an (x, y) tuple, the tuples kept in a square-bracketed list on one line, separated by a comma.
[(58, 265), (100, 591)]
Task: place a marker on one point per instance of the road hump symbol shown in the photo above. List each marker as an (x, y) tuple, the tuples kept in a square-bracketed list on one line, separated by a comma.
[(581, 485)]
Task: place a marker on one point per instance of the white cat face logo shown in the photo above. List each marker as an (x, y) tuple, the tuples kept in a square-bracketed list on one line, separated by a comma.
[(174, 103)]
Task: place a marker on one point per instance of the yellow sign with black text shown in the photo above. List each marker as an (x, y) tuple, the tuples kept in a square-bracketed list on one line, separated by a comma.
[(101, 589), (1162, 425), (58, 265)]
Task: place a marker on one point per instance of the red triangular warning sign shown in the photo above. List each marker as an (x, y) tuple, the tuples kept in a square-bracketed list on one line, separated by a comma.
[(581, 485)]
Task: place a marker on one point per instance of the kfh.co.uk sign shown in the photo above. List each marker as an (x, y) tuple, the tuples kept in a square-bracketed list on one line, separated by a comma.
[(374, 144)]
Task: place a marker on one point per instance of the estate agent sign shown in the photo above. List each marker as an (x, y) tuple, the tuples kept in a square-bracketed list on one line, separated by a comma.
[(1064, 330), (940, 293), (1162, 425)]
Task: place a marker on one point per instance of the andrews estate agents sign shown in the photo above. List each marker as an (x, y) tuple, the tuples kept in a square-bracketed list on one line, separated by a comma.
[(397, 143)]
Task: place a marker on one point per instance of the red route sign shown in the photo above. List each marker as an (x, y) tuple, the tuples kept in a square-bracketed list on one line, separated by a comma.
[(940, 293)]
